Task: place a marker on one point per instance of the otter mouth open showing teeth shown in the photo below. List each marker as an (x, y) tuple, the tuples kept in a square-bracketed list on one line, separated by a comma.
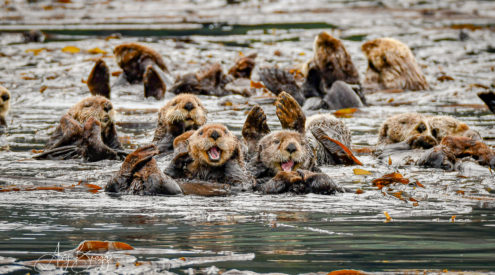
[(214, 153), (287, 166)]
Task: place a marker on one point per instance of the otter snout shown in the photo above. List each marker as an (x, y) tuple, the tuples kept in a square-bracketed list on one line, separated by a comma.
[(291, 148), (189, 106), (214, 135)]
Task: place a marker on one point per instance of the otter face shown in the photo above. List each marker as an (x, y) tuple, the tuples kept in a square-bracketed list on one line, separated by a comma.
[(96, 107), (185, 108), (391, 65), (410, 127), (442, 126), (4, 101), (283, 151), (333, 61), (213, 145)]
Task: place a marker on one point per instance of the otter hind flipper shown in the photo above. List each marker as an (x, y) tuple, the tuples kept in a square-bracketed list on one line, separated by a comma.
[(335, 148), (341, 96), (60, 153), (99, 79), (205, 189), (154, 82), (255, 127), (290, 113), (489, 99), (243, 66), (278, 81)]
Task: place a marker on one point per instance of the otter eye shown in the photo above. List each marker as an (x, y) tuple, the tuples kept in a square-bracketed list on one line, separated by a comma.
[(107, 108), (225, 131), (201, 133), (276, 141), (174, 104), (87, 104), (434, 133), (421, 128), (5, 97)]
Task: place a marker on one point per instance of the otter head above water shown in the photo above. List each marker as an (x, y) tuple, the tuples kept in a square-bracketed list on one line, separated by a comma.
[(412, 128)]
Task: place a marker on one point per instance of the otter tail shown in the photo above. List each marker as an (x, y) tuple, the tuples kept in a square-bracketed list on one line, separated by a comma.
[(277, 81)]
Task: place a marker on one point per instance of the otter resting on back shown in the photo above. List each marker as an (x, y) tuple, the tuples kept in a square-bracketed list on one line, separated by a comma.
[(328, 76), (139, 175), (87, 131), (391, 65), (210, 81), (210, 154), (141, 63), (286, 160), (4, 106), (182, 113)]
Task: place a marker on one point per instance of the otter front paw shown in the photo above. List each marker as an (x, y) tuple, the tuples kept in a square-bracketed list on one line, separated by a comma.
[(284, 181), (319, 183), (290, 113)]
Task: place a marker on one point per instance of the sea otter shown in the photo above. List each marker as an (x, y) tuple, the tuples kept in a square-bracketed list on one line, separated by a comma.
[(140, 175), (210, 154), (286, 160), (99, 79), (209, 81), (4, 105), (88, 131), (243, 66), (391, 65), (182, 113), (453, 149), (141, 63), (414, 130)]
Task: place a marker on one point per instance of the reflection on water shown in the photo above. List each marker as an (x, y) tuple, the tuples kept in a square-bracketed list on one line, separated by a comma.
[(286, 233)]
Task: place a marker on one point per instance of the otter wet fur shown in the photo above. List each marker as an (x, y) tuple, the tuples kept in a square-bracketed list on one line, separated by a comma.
[(391, 65), (182, 113), (73, 129), (454, 149), (143, 64), (284, 160), (209, 81), (211, 154), (140, 175), (243, 66), (4, 106), (99, 79)]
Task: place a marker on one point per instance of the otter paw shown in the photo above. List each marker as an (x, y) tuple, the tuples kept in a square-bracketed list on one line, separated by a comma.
[(319, 183), (284, 181), (290, 113), (154, 82), (255, 127), (99, 79)]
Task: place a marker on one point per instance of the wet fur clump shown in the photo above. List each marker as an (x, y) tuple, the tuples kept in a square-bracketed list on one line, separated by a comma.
[(391, 65), (4, 105), (140, 175), (182, 113), (212, 154)]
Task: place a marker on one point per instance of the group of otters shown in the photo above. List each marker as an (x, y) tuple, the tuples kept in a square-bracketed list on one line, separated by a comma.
[(206, 157)]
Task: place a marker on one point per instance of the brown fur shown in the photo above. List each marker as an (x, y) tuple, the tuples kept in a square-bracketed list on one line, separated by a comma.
[(412, 128), (209, 81), (99, 79), (4, 105), (333, 61), (442, 126), (243, 66), (200, 142), (134, 58), (391, 65), (174, 118)]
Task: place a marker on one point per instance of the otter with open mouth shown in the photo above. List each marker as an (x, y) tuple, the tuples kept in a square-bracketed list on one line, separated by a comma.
[(88, 131), (287, 160), (182, 113), (210, 154)]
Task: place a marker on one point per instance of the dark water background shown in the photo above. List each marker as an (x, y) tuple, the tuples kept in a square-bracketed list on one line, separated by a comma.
[(290, 234)]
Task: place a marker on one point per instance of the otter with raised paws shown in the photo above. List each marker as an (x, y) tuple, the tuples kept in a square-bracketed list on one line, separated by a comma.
[(143, 64), (210, 154), (140, 175), (182, 113), (88, 131), (4, 106), (391, 65)]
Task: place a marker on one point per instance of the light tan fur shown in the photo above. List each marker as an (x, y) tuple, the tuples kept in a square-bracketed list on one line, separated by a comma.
[(272, 150), (442, 126), (201, 142), (401, 127), (97, 107), (391, 65), (126, 52), (334, 127)]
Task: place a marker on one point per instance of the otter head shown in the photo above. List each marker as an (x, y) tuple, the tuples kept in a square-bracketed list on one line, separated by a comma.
[(332, 59), (412, 128), (391, 65), (284, 151), (4, 102), (96, 107), (185, 108), (213, 145), (442, 126)]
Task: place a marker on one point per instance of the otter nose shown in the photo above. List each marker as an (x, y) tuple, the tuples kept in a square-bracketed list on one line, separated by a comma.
[(215, 135), (189, 106), (291, 148), (421, 128)]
